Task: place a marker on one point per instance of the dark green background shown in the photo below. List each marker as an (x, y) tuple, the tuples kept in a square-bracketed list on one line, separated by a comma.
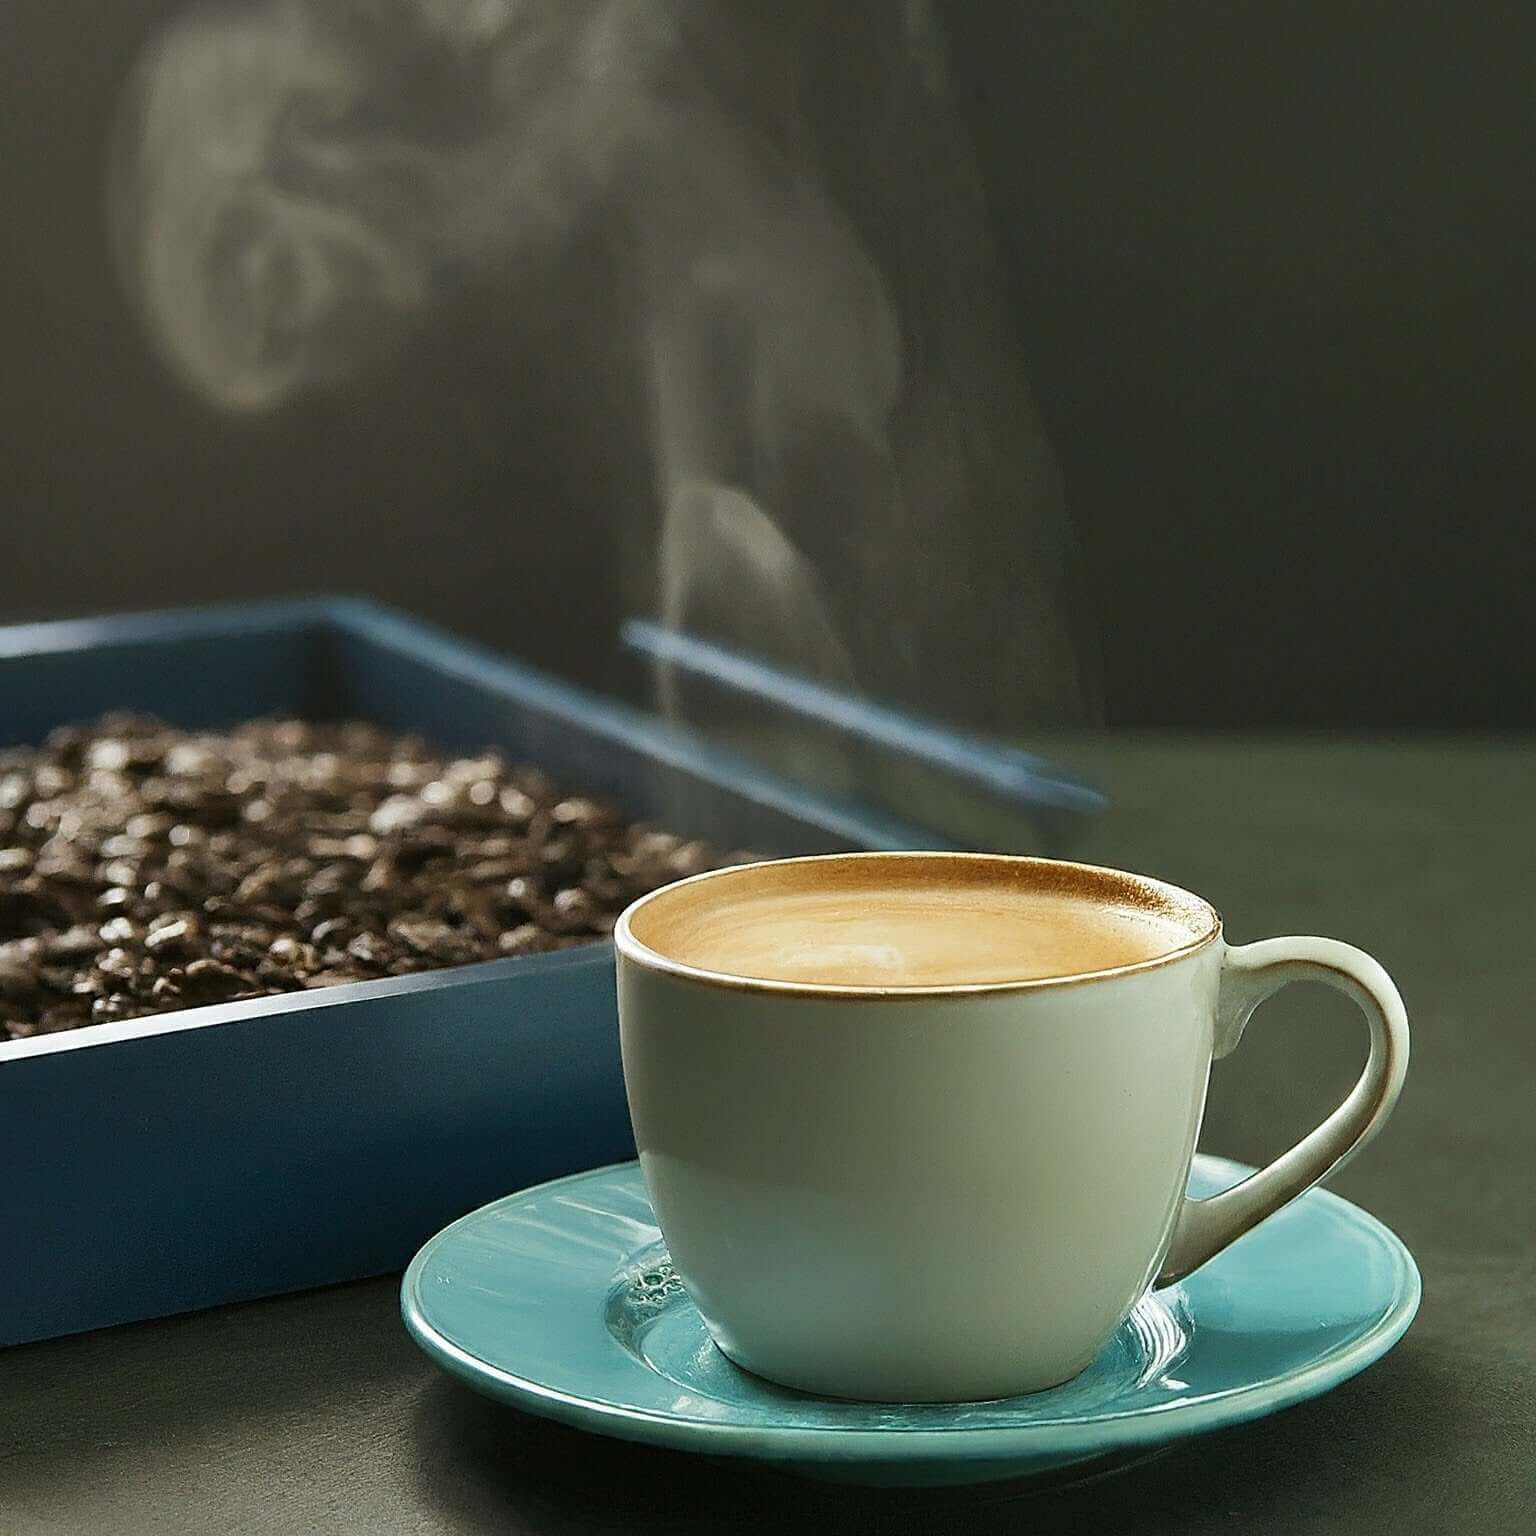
[(1270, 277)]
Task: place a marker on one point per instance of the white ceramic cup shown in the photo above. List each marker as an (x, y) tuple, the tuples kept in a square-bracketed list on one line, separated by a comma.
[(955, 1192)]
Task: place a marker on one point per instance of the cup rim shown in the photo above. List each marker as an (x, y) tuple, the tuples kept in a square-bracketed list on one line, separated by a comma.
[(1144, 891)]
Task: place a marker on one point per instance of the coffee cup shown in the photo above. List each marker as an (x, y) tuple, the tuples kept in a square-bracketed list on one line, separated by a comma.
[(918, 1126)]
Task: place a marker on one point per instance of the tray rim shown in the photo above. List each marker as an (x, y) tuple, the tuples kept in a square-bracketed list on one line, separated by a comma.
[(390, 629)]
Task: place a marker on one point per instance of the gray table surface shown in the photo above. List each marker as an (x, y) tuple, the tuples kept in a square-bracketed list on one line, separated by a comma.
[(313, 1413)]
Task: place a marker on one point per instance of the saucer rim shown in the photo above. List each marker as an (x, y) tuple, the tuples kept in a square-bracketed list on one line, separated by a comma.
[(1153, 1424)]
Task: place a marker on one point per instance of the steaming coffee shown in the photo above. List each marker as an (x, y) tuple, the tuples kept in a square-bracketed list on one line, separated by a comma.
[(819, 926), (917, 1126)]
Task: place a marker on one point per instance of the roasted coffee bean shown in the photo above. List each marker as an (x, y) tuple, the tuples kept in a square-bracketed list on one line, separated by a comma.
[(119, 930), (581, 812), (58, 860), (120, 964), (176, 939), (334, 930), (648, 843), (488, 871), (327, 890), (25, 951), (248, 912), (691, 859), (527, 939), (294, 954), (131, 751), (149, 826), (212, 981), (574, 910), (363, 848), (436, 794), (383, 874), (268, 884), (278, 978), (335, 977), (426, 935), (253, 935), (144, 868), (114, 1007), (325, 904), (241, 957), (119, 872), (372, 950), (517, 807), (408, 965), (122, 846), (396, 814), (407, 775)]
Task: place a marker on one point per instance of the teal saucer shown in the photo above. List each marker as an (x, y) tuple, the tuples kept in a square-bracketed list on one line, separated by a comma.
[(561, 1301)]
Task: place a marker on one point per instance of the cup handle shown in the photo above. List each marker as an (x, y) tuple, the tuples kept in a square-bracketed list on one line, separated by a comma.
[(1250, 973)]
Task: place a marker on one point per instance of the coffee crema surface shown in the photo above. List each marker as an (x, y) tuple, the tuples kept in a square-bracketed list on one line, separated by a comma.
[(891, 922)]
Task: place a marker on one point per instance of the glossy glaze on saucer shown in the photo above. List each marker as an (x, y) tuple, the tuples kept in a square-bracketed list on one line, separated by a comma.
[(560, 1300)]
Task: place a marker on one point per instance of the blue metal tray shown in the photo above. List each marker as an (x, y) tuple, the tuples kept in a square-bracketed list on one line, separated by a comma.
[(234, 1151)]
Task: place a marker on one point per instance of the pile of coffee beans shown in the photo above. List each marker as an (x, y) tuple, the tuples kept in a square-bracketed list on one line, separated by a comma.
[(144, 868)]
